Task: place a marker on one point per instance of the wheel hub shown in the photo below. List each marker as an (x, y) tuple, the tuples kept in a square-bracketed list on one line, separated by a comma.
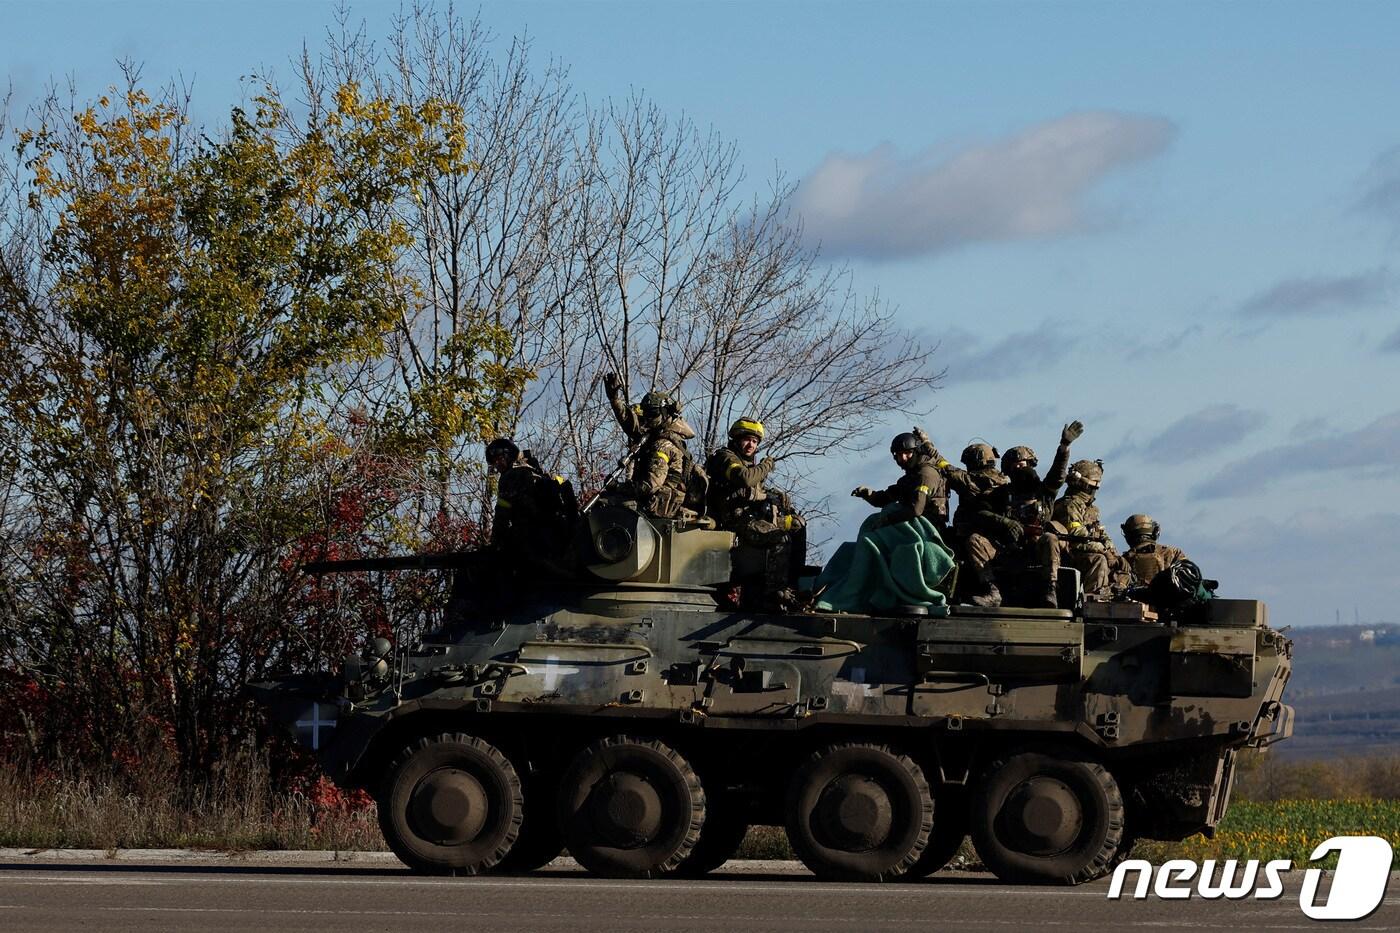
[(449, 807), (855, 813), (1044, 816), (626, 810)]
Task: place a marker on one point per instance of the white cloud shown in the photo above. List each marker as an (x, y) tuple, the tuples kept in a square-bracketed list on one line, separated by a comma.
[(880, 205)]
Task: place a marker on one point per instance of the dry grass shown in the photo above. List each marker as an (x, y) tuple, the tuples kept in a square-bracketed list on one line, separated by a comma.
[(238, 814), (238, 810)]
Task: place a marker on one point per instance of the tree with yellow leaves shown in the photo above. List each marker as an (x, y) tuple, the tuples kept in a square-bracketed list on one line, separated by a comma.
[(188, 319)]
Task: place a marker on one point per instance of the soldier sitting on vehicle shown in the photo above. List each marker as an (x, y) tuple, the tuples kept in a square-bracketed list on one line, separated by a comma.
[(1085, 543), (921, 491), (970, 532), (1028, 552), (772, 536), (534, 511), (664, 480), (1145, 555)]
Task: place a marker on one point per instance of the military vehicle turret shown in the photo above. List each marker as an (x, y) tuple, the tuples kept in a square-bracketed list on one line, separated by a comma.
[(621, 712)]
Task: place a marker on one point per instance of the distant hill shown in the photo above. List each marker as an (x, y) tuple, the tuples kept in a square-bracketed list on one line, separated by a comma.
[(1346, 691)]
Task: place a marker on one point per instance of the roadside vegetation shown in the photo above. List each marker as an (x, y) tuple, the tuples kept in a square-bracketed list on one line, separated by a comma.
[(241, 809)]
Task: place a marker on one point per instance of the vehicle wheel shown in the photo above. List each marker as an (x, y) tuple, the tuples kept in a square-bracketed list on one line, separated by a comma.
[(859, 813), (540, 840), (451, 805), (630, 808), (1124, 852), (1047, 818), (720, 837), (949, 831)]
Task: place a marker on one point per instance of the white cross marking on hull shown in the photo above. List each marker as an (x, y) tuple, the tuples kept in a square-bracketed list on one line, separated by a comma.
[(316, 723)]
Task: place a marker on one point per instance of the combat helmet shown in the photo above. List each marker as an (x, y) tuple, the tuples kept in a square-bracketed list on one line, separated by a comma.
[(905, 441), (746, 426), (502, 445), (1086, 473), (1015, 454), (979, 456), (1139, 528)]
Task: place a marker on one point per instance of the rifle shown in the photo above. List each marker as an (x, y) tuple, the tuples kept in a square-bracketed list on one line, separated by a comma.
[(622, 466)]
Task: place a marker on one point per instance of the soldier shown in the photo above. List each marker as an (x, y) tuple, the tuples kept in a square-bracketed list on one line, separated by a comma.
[(1085, 542), (972, 532), (738, 500), (920, 491), (662, 471), (764, 521), (533, 509), (1146, 557), (1020, 514)]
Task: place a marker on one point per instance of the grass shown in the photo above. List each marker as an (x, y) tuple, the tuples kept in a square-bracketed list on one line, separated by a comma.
[(239, 811)]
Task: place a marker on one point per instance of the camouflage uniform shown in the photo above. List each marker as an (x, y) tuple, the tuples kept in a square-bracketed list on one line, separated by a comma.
[(922, 490), (532, 513), (739, 503), (1020, 512), (1087, 547), (772, 536), (662, 469), (1145, 555), (1150, 558), (971, 531)]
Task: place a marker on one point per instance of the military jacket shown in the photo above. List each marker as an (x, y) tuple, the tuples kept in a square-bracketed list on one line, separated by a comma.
[(629, 417), (973, 489), (920, 491), (662, 461), (523, 503), (734, 482), (1078, 516), (1015, 498), (1150, 558)]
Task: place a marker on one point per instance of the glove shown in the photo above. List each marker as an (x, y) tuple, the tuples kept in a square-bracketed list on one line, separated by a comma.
[(768, 463), (862, 492), (1014, 529), (1071, 433), (612, 382)]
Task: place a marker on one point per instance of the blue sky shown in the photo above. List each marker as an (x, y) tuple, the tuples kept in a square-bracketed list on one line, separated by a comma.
[(1177, 222)]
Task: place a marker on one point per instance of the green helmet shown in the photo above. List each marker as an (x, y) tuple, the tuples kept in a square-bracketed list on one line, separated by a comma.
[(1016, 454), (979, 456), (1086, 473), (656, 404), (1141, 528)]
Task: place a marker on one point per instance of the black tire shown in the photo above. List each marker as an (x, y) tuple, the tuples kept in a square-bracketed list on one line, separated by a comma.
[(540, 840), (451, 805), (1047, 817), (630, 808), (949, 831), (720, 837), (859, 813)]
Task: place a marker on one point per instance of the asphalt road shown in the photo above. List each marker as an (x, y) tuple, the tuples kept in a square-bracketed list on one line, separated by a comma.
[(222, 894)]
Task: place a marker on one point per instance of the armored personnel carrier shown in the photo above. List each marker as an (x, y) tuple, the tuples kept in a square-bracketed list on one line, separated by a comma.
[(619, 711)]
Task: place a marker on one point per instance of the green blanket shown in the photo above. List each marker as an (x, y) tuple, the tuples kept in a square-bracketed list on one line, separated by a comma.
[(885, 567)]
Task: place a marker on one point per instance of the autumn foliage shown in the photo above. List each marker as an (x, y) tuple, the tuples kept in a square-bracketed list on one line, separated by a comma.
[(190, 407)]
